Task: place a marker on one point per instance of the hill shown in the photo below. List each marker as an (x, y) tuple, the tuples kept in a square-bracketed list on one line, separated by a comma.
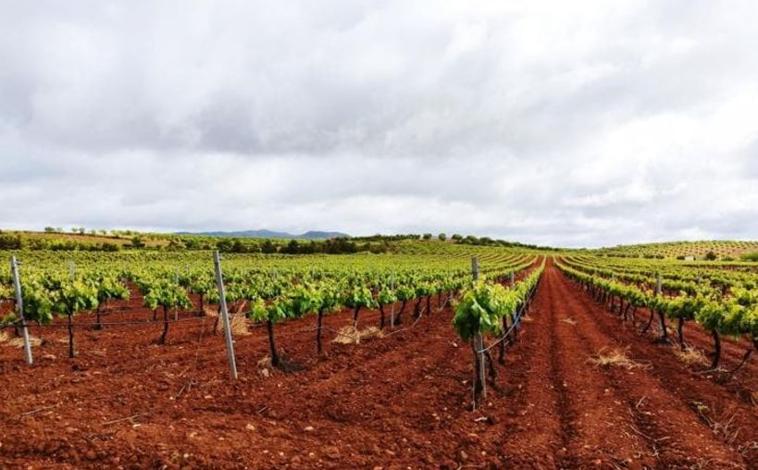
[(269, 234), (719, 249)]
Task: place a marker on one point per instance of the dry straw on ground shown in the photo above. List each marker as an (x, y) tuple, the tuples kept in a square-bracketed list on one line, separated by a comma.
[(351, 335), (239, 326), (614, 358), (19, 342), (722, 426), (691, 356), (210, 311)]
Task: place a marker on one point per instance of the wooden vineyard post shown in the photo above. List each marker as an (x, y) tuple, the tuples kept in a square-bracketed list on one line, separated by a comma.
[(661, 318), (225, 316), (176, 279), (513, 278), (20, 311), (392, 310), (477, 345)]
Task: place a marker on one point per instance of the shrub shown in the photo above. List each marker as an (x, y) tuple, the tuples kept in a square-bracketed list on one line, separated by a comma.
[(10, 242)]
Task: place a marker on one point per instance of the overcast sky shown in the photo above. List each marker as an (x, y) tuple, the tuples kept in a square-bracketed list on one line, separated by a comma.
[(565, 123)]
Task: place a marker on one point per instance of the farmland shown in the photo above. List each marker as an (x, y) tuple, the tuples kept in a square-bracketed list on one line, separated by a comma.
[(698, 250), (379, 235), (551, 358)]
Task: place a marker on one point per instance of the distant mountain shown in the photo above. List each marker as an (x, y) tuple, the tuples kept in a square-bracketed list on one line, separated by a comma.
[(310, 235), (319, 235)]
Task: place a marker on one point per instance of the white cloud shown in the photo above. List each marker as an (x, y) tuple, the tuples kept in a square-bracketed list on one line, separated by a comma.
[(579, 123)]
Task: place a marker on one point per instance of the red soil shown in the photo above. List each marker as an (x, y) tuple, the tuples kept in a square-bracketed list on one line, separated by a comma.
[(402, 401)]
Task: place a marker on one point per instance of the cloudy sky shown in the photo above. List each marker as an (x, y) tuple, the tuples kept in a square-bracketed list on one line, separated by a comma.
[(566, 123)]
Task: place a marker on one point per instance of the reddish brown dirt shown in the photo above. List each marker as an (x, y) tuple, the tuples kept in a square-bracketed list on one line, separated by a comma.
[(584, 415), (732, 353), (397, 402), (742, 382)]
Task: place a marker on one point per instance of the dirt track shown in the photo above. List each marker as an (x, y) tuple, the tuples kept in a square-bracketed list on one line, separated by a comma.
[(394, 402)]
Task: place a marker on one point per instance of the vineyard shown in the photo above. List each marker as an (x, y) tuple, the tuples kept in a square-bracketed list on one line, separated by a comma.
[(697, 250), (430, 355)]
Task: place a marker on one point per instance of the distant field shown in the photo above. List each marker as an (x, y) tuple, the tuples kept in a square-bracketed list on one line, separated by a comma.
[(722, 250), (697, 249), (151, 240)]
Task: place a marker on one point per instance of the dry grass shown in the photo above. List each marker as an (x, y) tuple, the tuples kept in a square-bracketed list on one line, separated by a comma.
[(265, 367), (725, 429), (19, 342), (614, 358), (239, 324), (210, 311), (691, 356), (372, 332), (4, 336), (239, 308), (347, 335), (350, 335), (264, 363), (722, 424)]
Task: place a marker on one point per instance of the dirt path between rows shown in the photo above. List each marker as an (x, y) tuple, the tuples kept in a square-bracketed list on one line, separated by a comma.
[(571, 413), (398, 402)]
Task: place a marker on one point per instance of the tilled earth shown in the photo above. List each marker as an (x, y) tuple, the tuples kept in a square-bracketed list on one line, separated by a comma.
[(400, 401)]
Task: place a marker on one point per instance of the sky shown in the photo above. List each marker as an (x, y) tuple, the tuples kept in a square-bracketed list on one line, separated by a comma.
[(585, 123)]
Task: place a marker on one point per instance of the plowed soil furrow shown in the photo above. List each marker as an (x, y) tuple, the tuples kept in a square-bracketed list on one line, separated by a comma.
[(127, 344), (357, 399), (602, 419), (732, 354), (734, 419), (732, 350), (531, 425), (565, 406), (680, 392), (674, 434)]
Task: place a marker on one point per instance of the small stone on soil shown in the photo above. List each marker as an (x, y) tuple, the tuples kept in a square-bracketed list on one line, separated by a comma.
[(332, 452)]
